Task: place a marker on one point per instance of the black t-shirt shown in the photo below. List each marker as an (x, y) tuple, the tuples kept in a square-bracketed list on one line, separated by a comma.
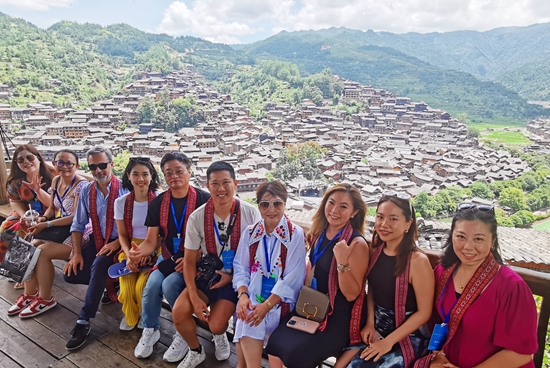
[(153, 215)]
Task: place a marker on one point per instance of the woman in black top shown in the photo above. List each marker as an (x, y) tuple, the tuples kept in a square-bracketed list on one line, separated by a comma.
[(401, 288), (339, 257)]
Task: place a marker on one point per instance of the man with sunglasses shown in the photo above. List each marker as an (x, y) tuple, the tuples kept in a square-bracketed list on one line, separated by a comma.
[(213, 232), (90, 262)]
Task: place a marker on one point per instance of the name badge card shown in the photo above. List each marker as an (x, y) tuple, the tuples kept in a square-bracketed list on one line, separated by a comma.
[(227, 257), (37, 206), (176, 242), (438, 336), (267, 286)]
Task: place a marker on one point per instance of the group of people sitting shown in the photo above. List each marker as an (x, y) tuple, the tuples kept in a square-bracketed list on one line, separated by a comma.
[(213, 256)]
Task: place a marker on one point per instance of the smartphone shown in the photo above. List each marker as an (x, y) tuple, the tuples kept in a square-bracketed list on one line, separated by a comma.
[(303, 324)]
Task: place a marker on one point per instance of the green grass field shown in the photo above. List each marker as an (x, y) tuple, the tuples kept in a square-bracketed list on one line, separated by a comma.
[(544, 225), (508, 138)]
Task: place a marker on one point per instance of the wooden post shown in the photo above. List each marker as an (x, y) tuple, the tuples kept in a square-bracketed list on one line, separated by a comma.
[(3, 177)]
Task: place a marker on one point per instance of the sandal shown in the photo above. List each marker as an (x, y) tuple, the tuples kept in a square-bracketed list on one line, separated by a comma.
[(19, 286)]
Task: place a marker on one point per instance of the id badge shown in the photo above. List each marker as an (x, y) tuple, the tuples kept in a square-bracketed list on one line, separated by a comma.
[(227, 257), (176, 242), (438, 336), (37, 206), (267, 286), (314, 283)]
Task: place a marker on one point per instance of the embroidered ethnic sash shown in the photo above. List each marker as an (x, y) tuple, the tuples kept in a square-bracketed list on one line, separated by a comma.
[(479, 281), (401, 290), (209, 233), (165, 211), (285, 307), (129, 210)]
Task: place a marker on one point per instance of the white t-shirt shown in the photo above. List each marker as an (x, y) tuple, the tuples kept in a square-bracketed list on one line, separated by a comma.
[(194, 237), (139, 230)]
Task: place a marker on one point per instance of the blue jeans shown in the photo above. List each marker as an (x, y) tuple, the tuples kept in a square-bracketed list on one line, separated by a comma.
[(157, 285)]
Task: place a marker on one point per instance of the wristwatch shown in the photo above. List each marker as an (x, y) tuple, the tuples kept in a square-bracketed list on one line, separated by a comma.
[(49, 224)]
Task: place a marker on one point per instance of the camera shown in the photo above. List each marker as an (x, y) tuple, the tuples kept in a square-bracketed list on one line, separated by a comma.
[(291, 322), (206, 271)]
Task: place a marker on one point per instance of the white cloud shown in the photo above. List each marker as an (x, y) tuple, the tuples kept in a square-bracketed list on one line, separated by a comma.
[(40, 5)]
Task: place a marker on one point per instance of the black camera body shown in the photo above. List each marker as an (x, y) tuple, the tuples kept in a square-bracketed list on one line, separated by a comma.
[(206, 271)]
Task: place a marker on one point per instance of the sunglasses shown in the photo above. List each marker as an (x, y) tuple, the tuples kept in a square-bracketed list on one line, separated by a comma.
[(400, 195), (477, 207), (29, 158), (68, 164), (277, 204), (102, 166)]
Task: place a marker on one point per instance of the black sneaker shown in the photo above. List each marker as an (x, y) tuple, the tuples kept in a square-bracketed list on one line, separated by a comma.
[(105, 299), (78, 336)]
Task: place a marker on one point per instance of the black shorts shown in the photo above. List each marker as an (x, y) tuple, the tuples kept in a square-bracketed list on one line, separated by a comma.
[(225, 292)]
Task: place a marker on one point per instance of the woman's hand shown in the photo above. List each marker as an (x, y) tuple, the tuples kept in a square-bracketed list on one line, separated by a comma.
[(367, 333), (342, 251), (243, 307), (258, 314), (440, 361), (131, 265), (135, 254), (376, 349), (35, 184), (33, 230)]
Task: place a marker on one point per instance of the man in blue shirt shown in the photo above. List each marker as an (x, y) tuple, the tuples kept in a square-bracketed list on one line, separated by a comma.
[(90, 262)]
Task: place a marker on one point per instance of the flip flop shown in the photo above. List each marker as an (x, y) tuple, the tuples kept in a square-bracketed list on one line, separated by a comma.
[(119, 269), (19, 286)]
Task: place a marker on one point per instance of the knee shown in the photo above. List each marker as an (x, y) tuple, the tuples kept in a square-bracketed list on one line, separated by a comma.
[(217, 327), (182, 310)]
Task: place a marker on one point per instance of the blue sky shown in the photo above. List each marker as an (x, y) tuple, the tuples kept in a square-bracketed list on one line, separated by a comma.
[(246, 21)]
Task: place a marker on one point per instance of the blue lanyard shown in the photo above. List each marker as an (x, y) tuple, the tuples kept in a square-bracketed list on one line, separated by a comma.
[(268, 255), (179, 225), (446, 317), (318, 253), (60, 199)]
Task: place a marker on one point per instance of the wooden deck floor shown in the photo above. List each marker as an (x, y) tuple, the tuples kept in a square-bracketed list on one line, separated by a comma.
[(40, 341)]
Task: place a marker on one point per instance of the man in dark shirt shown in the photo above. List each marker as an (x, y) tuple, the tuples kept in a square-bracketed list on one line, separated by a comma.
[(166, 218)]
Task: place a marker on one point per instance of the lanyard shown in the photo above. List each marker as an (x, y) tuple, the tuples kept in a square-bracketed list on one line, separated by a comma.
[(60, 199), (179, 225), (446, 317), (317, 253), (268, 255), (222, 242)]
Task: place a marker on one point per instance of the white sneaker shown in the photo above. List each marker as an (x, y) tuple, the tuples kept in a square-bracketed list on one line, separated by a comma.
[(140, 324), (124, 326), (222, 346), (144, 348), (177, 349), (192, 359)]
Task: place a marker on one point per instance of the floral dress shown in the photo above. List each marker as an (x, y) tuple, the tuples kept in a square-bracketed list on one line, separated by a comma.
[(286, 287)]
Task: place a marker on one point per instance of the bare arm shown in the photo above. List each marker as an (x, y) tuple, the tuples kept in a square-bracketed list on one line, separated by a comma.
[(506, 358), (18, 206), (356, 255)]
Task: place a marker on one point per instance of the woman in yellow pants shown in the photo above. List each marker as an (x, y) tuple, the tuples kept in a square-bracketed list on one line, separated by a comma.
[(141, 178)]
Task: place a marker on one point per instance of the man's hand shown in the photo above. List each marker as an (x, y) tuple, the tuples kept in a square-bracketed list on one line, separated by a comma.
[(75, 263), (226, 279), (108, 249), (179, 265), (200, 308)]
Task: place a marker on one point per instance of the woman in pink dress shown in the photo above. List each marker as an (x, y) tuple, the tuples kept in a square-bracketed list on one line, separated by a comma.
[(490, 311)]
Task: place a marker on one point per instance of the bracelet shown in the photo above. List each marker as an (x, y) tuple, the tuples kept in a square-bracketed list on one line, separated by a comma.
[(241, 294), (343, 268), (49, 224), (268, 303)]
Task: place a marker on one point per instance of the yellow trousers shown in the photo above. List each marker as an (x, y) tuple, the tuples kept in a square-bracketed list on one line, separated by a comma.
[(131, 290)]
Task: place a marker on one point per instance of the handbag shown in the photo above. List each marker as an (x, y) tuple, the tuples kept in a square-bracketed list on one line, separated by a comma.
[(312, 304), (20, 259), (168, 266), (56, 234)]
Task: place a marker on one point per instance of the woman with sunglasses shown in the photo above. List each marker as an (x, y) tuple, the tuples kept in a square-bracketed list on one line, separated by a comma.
[(338, 261), (269, 270), (65, 189), (27, 186), (400, 292), (489, 311), (141, 178)]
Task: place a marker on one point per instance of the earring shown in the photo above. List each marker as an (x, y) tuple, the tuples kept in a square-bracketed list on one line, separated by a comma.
[(492, 248), (406, 231), (352, 216)]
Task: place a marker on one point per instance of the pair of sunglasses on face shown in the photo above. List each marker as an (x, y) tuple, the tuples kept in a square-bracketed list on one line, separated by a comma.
[(277, 204), (21, 159), (101, 166), (67, 164)]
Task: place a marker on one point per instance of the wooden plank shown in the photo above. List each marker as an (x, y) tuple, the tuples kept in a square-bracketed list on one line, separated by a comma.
[(21, 349), (124, 343), (6, 362), (96, 355), (63, 363), (47, 339)]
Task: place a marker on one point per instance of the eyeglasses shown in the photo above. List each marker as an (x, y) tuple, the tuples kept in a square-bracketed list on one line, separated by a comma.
[(478, 207), (29, 158), (400, 195), (68, 164), (277, 204), (169, 174), (101, 166)]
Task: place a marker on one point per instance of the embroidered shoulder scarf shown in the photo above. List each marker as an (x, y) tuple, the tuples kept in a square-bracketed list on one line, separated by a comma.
[(401, 290), (165, 212), (479, 281), (110, 215), (209, 233), (129, 210)]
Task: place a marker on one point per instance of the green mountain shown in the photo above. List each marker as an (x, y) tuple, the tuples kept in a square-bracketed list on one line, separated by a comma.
[(350, 54)]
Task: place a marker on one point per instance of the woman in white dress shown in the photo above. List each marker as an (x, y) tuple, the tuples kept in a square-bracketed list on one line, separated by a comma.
[(269, 271)]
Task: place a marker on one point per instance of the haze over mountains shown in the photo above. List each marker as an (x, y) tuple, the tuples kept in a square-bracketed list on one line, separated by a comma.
[(488, 75)]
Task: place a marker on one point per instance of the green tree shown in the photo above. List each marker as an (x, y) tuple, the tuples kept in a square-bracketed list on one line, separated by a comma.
[(299, 159), (505, 222), (513, 198), (146, 110), (481, 190), (425, 204), (120, 162)]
